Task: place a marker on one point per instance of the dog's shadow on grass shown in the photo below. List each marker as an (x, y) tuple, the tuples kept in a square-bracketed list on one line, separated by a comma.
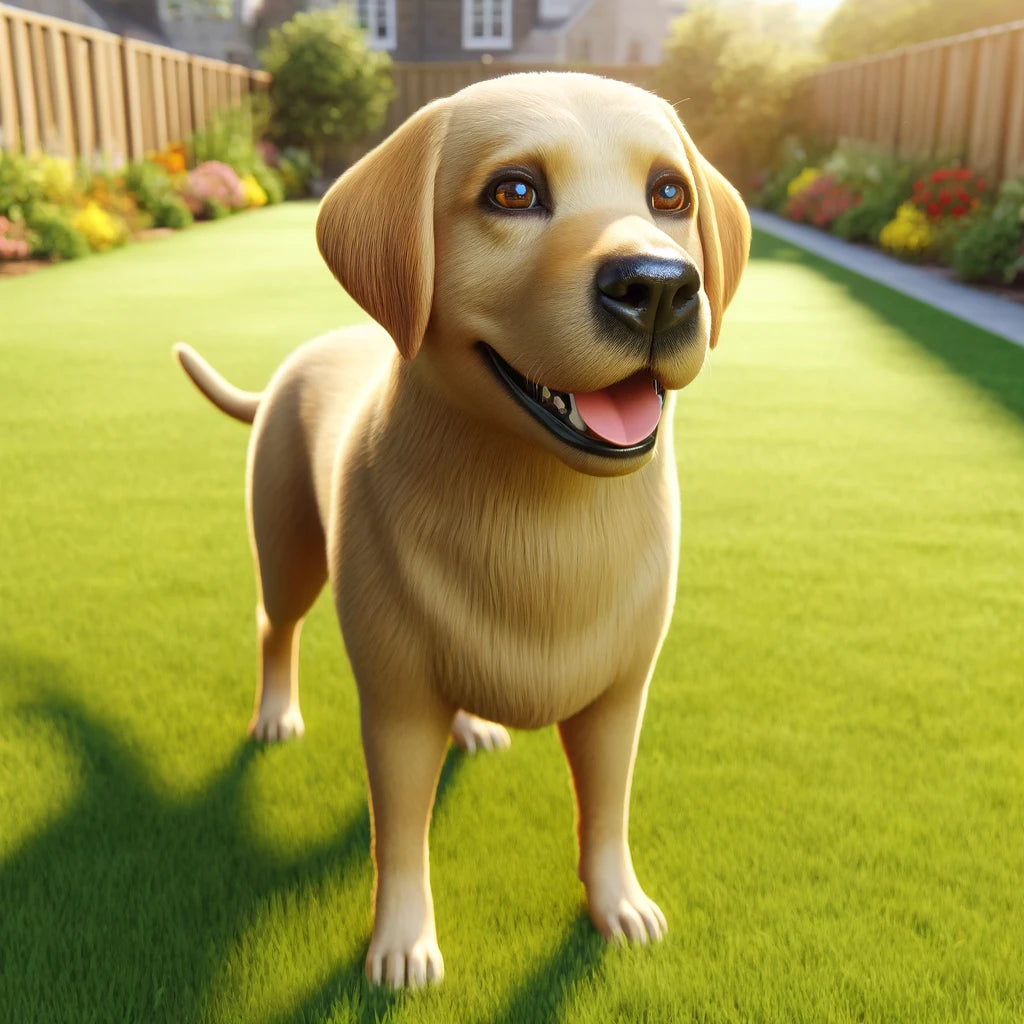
[(126, 905)]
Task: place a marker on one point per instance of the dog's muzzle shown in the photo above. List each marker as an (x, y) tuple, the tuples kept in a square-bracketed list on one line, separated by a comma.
[(621, 421)]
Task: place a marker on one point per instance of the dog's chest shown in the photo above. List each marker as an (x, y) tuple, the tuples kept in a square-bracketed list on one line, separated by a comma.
[(527, 608)]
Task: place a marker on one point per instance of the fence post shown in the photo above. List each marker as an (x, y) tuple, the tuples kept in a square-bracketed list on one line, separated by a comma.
[(136, 142), (59, 60)]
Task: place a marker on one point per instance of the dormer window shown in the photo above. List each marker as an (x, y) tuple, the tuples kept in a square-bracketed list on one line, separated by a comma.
[(487, 24), (377, 17)]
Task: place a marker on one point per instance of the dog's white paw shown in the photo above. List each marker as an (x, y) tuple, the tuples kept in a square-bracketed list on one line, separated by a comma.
[(629, 918), (274, 723), (473, 734), (414, 966)]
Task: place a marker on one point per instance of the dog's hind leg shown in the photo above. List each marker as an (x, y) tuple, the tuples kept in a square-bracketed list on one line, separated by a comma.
[(291, 567)]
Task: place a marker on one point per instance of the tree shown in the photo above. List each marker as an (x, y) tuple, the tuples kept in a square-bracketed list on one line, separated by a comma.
[(860, 27), (328, 88), (733, 89)]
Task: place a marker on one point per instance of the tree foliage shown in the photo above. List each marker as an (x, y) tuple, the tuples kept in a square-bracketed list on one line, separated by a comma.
[(733, 90), (328, 87), (860, 27)]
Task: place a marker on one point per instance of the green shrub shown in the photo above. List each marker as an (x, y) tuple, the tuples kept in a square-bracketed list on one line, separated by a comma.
[(329, 89), (297, 169), (171, 212), (21, 185), (228, 138), (213, 209), (989, 250), (270, 181), (53, 235), (878, 206), (154, 188)]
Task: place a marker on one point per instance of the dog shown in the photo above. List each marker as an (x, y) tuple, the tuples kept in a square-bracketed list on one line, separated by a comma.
[(495, 503)]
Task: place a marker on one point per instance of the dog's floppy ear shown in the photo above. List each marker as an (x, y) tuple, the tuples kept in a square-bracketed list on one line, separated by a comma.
[(375, 227), (724, 226)]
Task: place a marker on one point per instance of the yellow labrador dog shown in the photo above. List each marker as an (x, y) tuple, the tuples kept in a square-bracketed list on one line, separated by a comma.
[(495, 505)]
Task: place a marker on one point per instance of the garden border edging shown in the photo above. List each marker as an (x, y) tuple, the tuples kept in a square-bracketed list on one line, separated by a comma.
[(998, 316)]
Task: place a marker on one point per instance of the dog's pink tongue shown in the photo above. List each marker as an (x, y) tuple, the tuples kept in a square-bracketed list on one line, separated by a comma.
[(623, 414)]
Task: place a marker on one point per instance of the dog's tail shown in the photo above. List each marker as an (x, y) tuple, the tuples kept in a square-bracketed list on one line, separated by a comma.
[(241, 405)]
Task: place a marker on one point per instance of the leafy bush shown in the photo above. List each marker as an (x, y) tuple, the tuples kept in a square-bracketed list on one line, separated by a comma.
[(297, 169), (990, 250), (228, 138), (328, 87), (21, 185), (794, 155), (270, 181), (54, 237), (15, 241), (154, 189)]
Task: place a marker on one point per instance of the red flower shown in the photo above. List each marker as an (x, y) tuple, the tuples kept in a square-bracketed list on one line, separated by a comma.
[(944, 197), (958, 211), (963, 195), (982, 184), (961, 174), (934, 209), (940, 175), (918, 185)]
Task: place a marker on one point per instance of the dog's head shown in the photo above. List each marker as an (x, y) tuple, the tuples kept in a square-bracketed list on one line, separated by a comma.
[(554, 248)]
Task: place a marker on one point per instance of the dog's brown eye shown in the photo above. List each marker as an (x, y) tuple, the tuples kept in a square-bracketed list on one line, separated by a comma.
[(670, 197), (514, 194)]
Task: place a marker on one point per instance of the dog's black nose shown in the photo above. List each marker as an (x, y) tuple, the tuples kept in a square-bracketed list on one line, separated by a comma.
[(649, 294)]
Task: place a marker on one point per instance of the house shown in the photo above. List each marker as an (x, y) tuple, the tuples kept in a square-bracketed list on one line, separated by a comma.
[(535, 31)]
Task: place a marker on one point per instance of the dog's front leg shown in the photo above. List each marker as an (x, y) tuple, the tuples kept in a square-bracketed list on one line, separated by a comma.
[(600, 744), (404, 742)]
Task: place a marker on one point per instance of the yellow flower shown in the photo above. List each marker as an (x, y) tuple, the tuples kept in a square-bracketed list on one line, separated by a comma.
[(252, 192), (806, 177), (100, 229), (908, 233)]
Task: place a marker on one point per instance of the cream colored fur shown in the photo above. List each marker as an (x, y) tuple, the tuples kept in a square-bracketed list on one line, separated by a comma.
[(484, 571)]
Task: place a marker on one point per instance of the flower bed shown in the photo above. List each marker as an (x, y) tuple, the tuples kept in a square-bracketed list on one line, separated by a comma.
[(53, 210), (946, 215)]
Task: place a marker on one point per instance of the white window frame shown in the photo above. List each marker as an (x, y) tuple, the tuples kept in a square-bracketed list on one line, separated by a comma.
[(390, 38), (488, 41)]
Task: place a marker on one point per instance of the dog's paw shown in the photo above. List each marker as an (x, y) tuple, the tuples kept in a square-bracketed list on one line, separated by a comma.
[(473, 734), (273, 724), (633, 918), (414, 967)]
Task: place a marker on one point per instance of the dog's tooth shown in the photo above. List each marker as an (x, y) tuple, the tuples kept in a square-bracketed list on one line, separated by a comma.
[(558, 403), (545, 394), (574, 417)]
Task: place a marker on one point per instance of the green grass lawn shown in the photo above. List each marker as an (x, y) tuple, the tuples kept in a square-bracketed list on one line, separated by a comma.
[(829, 797)]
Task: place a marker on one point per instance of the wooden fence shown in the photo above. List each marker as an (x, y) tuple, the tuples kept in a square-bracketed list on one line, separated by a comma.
[(959, 97), (78, 92)]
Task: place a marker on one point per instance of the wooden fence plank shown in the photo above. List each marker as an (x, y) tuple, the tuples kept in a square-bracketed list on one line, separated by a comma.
[(61, 92), (10, 122), (85, 118), (1013, 157), (159, 102), (136, 141), (25, 91)]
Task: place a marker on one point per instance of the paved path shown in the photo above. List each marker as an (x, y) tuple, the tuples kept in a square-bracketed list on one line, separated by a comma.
[(1000, 316)]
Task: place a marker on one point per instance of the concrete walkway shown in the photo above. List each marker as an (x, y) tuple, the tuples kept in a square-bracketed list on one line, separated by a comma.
[(999, 316)]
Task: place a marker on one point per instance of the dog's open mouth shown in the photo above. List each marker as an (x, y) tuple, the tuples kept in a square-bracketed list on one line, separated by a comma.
[(618, 421)]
